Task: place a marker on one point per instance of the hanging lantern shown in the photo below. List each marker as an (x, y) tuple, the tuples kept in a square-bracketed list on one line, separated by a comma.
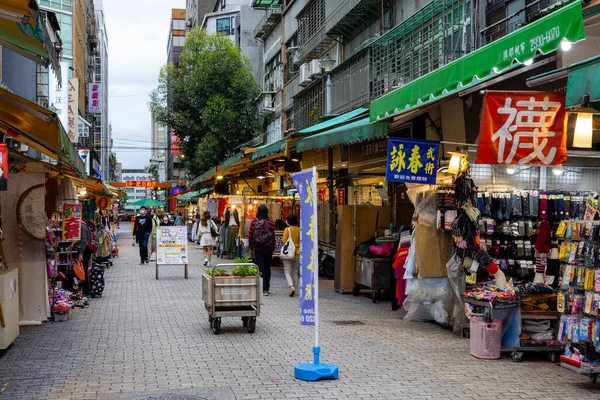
[(583, 131)]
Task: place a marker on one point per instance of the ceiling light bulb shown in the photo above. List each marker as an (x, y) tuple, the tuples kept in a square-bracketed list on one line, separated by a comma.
[(511, 169), (565, 45), (528, 62), (558, 169), (260, 177), (219, 177)]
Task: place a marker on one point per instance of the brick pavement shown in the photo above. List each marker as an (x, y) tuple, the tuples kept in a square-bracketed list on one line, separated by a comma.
[(150, 337)]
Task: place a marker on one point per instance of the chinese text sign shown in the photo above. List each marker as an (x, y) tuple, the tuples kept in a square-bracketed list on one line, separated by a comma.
[(523, 128), (58, 95), (73, 113), (94, 99), (306, 185), (172, 245), (412, 160), (71, 222)]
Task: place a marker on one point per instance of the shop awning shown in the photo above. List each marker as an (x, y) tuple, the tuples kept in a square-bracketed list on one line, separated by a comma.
[(195, 194), (543, 36), (269, 149), (353, 132), (232, 160), (205, 176), (331, 123), (30, 38), (37, 127)]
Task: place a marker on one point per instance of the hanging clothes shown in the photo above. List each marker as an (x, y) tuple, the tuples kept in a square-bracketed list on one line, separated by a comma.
[(212, 205), (222, 206)]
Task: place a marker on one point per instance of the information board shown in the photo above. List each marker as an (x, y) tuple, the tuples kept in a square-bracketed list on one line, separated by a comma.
[(172, 245)]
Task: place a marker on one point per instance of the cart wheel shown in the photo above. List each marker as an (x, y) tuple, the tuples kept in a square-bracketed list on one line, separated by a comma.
[(374, 295), (251, 324), (355, 289), (245, 321), (216, 326), (553, 357), (516, 357)]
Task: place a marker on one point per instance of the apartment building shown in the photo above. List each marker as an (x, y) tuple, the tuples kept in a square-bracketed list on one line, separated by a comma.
[(102, 131)]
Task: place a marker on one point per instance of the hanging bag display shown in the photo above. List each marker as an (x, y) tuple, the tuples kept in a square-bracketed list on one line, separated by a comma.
[(288, 250)]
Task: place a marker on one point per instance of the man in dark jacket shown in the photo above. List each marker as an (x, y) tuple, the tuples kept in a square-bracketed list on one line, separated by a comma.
[(142, 228)]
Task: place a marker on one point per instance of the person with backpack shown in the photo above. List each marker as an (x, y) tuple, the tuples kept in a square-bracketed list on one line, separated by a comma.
[(207, 230), (262, 244), (291, 262)]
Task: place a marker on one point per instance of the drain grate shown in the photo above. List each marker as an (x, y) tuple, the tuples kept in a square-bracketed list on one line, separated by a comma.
[(170, 397), (351, 322)]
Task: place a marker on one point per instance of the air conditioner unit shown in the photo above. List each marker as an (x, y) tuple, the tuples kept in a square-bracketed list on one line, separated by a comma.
[(315, 68), (305, 75), (267, 100), (16, 145)]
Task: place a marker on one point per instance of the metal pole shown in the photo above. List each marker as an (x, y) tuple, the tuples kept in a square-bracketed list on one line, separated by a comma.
[(330, 180), (328, 96), (316, 272)]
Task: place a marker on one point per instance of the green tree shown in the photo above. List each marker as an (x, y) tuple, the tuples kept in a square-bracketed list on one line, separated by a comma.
[(153, 171), (209, 99)]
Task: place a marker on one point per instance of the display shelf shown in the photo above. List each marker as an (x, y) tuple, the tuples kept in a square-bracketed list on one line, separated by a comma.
[(539, 315), (483, 303), (589, 371)]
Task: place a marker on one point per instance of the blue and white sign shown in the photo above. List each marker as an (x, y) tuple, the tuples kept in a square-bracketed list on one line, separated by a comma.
[(306, 184), (412, 160)]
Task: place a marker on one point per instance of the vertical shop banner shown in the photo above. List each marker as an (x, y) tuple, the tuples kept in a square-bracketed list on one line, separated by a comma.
[(58, 95), (73, 110), (94, 98), (306, 185), (3, 167), (412, 160), (71, 221), (172, 248), (523, 128)]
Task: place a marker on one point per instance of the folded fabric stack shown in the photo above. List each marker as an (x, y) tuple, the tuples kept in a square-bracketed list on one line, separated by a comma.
[(537, 329)]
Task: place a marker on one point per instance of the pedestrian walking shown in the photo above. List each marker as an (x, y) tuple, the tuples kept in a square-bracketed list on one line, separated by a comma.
[(291, 266), (205, 236), (165, 220), (152, 241), (262, 244), (179, 220), (142, 229)]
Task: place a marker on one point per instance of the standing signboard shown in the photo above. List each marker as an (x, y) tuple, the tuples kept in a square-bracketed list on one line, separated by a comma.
[(523, 128), (306, 185), (71, 221), (172, 247)]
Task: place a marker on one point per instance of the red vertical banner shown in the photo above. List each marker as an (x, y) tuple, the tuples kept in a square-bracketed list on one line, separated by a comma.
[(341, 197), (523, 128), (3, 167)]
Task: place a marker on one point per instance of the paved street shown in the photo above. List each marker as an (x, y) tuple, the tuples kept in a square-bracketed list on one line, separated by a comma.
[(152, 337)]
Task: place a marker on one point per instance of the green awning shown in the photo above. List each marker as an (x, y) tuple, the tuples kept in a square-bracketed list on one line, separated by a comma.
[(71, 156), (543, 36), (339, 120), (208, 174), (353, 132), (264, 3), (195, 194), (233, 160), (583, 82), (269, 149)]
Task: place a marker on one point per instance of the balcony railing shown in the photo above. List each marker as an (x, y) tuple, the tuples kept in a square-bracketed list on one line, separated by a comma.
[(526, 14), (268, 22), (273, 80)]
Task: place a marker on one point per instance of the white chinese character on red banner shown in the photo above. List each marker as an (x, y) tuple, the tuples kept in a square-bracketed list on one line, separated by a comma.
[(527, 126)]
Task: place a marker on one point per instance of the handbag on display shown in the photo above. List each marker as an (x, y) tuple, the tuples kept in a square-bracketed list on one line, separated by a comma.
[(288, 250), (79, 271)]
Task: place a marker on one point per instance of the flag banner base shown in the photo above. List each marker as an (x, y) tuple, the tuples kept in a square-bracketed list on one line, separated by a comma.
[(316, 370)]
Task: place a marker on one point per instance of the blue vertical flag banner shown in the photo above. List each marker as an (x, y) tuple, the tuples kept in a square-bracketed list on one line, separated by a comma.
[(306, 184), (412, 160)]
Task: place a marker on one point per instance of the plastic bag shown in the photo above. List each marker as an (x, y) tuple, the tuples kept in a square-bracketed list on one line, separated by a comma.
[(426, 311), (381, 250), (429, 289)]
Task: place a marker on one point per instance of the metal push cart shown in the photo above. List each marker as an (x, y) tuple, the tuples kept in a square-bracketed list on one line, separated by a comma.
[(232, 297)]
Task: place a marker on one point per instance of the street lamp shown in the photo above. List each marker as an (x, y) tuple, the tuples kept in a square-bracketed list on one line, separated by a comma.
[(327, 64)]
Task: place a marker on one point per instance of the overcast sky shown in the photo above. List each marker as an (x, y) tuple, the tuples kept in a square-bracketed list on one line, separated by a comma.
[(137, 47)]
